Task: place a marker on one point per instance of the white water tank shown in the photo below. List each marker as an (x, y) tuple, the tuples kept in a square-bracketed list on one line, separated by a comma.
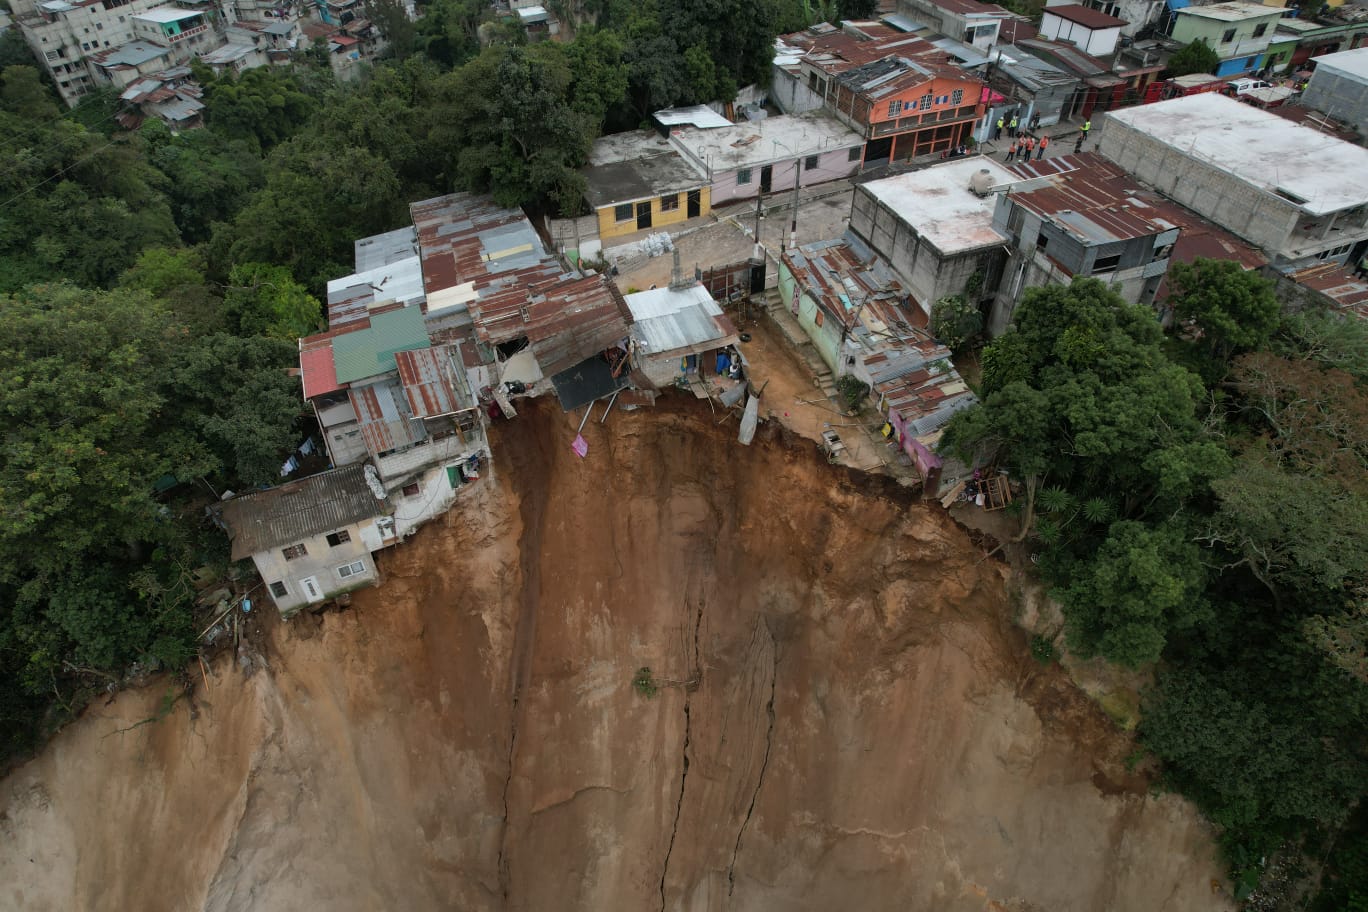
[(981, 182)]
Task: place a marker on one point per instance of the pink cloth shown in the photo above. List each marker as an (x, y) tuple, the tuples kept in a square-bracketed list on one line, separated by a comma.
[(580, 446)]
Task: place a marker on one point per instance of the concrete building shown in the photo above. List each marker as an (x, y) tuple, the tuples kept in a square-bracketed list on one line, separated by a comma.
[(970, 21), (65, 33), (312, 539), (1298, 194), (1136, 14), (638, 181), (1087, 29), (1031, 86), (771, 155), (934, 231), (1339, 87), (676, 331), (1239, 32)]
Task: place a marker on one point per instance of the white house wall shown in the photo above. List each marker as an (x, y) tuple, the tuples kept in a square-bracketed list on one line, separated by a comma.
[(321, 562), (790, 94)]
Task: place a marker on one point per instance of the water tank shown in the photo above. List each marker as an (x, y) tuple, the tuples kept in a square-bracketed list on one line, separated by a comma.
[(982, 182)]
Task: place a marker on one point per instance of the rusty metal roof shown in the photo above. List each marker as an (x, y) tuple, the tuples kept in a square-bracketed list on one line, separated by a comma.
[(281, 516), (431, 383), (383, 415), (565, 321), (1337, 283), (466, 239), (841, 275)]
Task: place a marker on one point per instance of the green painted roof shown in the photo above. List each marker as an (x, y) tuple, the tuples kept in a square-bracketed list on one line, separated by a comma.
[(370, 352)]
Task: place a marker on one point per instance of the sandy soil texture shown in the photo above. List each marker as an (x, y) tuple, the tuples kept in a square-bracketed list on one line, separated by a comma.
[(846, 718)]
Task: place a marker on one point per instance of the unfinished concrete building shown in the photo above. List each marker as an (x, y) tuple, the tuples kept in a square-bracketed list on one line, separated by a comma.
[(1339, 87), (1298, 194)]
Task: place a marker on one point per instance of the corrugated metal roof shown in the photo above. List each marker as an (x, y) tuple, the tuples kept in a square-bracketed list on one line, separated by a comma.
[(383, 414), (466, 238), (282, 516), (700, 116), (316, 371), (370, 352), (355, 296), (565, 321), (431, 383), (1338, 284), (669, 320)]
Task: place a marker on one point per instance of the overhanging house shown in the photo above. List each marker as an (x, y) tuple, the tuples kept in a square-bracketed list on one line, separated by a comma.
[(1092, 32), (771, 155), (1298, 194), (676, 331), (311, 539), (638, 181), (935, 232)]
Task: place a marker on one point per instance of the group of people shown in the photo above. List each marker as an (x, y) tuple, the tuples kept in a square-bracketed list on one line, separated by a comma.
[(1020, 150)]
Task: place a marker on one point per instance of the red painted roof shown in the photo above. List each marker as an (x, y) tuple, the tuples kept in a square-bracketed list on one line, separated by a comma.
[(316, 367)]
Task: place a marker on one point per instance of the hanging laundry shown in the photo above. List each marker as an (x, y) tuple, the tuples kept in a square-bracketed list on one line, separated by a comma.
[(886, 430), (723, 362), (290, 465), (307, 447), (580, 446)]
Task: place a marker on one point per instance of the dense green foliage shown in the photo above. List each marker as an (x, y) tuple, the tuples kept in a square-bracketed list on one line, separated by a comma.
[(1197, 57), (1213, 524)]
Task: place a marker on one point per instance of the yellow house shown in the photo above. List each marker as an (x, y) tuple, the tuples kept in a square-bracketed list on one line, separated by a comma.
[(638, 182)]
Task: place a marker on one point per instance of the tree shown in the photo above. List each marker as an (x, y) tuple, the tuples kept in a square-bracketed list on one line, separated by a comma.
[(449, 30), (955, 321), (1232, 309), (264, 104), (263, 300), (1197, 57), (1143, 582), (177, 276), (513, 130), (398, 30), (598, 72)]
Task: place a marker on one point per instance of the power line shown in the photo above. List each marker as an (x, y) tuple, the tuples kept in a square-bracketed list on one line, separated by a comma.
[(59, 173)]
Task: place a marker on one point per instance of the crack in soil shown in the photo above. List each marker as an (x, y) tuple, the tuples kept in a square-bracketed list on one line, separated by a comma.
[(764, 761), (696, 678)]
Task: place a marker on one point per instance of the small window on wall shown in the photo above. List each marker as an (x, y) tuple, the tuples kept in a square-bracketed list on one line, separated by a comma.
[(743, 176), (894, 108), (411, 490), (1106, 264), (810, 163), (1259, 30), (294, 551), (926, 102), (353, 569), (854, 154), (278, 589), (339, 537), (957, 96), (624, 213), (1228, 37), (669, 203)]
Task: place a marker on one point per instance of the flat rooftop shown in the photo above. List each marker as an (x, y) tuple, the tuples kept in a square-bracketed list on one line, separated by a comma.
[(1232, 12), (1318, 172), (938, 203), (1352, 63), (166, 14), (625, 167), (773, 139)]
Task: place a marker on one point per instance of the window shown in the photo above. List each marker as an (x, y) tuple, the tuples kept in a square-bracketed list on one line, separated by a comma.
[(51, 55), (957, 96), (278, 589), (338, 537), (669, 203), (352, 569), (411, 490), (817, 316), (1228, 37), (812, 81), (926, 102), (743, 176), (294, 551), (1042, 241), (623, 213), (1106, 264), (810, 163), (854, 154), (894, 108)]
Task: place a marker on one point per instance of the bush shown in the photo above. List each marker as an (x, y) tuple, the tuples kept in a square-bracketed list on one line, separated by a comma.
[(644, 682), (1042, 649), (852, 390)]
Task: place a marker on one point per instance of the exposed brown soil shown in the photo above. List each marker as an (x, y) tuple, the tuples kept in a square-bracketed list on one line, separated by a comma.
[(846, 718)]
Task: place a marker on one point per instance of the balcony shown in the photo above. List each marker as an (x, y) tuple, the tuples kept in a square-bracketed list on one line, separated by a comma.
[(187, 33)]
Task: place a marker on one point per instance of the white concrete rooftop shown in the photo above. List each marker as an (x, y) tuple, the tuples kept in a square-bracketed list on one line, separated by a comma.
[(1353, 63), (1320, 173), (760, 142), (1233, 11), (166, 14), (938, 203)]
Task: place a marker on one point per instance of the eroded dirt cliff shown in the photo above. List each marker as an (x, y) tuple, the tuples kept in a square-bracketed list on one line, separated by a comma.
[(846, 718)]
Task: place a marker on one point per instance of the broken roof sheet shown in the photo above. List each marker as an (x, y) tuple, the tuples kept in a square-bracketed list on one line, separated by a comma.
[(565, 321), (355, 297), (586, 382), (678, 320), (301, 509), (382, 249), (369, 352), (852, 285), (1337, 283), (430, 382), (700, 116)]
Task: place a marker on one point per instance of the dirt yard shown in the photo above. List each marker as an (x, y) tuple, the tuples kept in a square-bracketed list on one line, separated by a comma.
[(839, 714)]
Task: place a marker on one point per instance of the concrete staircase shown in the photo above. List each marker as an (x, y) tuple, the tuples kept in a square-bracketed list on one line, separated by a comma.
[(802, 345)]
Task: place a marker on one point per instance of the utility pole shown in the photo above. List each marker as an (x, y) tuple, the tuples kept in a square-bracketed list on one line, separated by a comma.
[(793, 223)]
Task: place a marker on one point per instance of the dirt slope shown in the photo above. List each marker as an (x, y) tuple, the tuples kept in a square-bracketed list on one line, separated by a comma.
[(846, 719)]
